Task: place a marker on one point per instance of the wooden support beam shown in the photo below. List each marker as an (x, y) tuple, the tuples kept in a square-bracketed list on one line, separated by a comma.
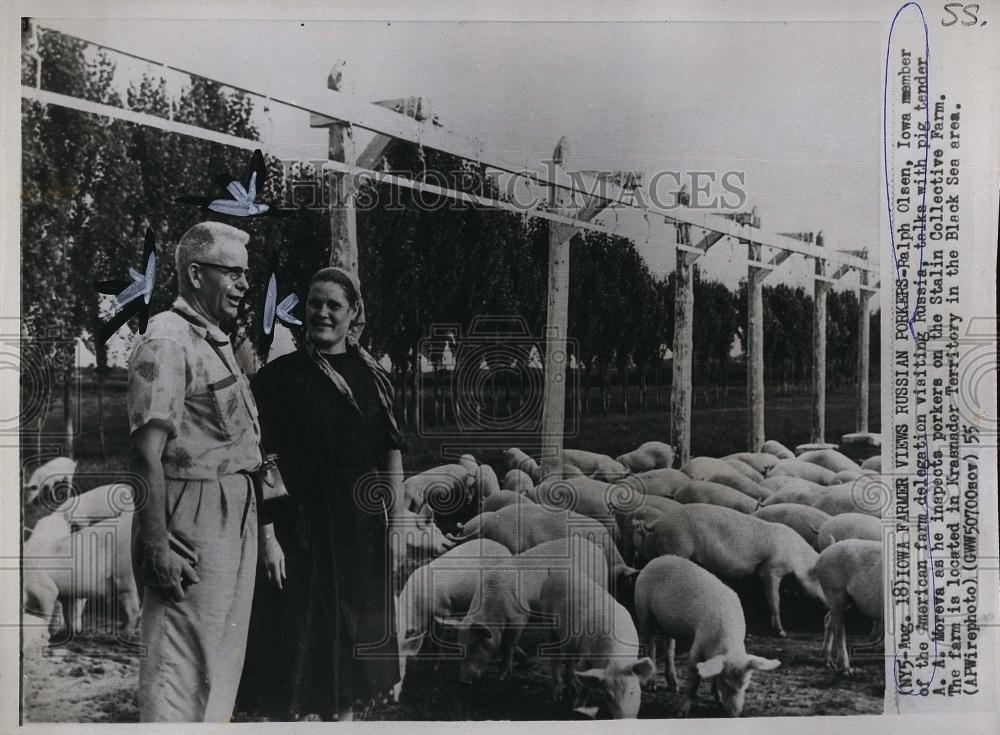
[(821, 287), (774, 263), (864, 337), (680, 389), (556, 326), (755, 350), (361, 114), (703, 246)]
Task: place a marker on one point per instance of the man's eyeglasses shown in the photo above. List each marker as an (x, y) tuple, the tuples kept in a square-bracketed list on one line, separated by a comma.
[(233, 273)]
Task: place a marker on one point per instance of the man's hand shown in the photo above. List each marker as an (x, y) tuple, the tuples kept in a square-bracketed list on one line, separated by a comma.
[(273, 559), (167, 572)]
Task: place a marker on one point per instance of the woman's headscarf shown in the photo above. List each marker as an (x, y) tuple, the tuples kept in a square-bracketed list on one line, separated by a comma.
[(383, 384)]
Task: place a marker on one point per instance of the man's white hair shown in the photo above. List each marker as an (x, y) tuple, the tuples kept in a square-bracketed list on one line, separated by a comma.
[(198, 242)]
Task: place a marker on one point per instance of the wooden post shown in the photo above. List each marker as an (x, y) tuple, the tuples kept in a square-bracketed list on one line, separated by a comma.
[(556, 325), (343, 221), (821, 287), (680, 390), (755, 351), (864, 336)]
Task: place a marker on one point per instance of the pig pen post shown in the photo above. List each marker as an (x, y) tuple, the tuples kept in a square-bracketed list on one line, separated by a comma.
[(864, 337), (756, 272), (820, 288), (341, 148), (556, 322)]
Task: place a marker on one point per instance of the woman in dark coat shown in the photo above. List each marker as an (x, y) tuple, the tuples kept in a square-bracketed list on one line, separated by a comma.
[(326, 411)]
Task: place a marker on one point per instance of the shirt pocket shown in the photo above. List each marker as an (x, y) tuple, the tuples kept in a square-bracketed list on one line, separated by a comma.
[(215, 409)]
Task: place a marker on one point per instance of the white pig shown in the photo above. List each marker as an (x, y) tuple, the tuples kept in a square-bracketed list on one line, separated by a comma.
[(598, 466), (831, 459), (803, 519), (515, 459), (778, 449), (517, 481), (439, 589), (709, 469), (676, 598), (648, 456), (732, 545), (849, 571), (849, 525), (596, 640)]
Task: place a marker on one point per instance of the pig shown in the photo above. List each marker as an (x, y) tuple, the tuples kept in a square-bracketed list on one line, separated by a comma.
[(662, 483), (571, 470), (106, 501), (419, 535), (804, 471), (486, 483), (803, 519), (517, 481), (598, 466), (649, 510), (439, 589), (795, 491), (596, 640), (648, 456), (579, 494), (676, 598), (715, 494), (502, 499), (54, 559), (856, 497), (848, 476), (445, 488), (524, 525), (762, 462), (744, 469), (50, 482), (709, 469), (515, 459), (873, 463), (849, 525), (510, 592), (849, 571), (778, 449), (778, 482), (830, 459), (470, 463), (732, 545)]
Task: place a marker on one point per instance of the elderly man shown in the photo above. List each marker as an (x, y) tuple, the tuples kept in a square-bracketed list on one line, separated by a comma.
[(195, 441)]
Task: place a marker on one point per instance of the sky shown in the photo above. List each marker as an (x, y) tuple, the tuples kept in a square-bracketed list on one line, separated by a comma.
[(795, 107)]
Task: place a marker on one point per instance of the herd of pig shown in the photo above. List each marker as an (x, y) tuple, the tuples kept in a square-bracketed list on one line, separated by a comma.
[(611, 558), (620, 553)]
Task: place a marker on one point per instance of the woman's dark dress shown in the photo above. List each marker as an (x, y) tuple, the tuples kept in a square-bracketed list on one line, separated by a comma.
[(331, 528)]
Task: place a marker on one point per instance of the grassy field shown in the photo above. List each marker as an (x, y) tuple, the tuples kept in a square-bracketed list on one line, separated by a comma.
[(716, 431)]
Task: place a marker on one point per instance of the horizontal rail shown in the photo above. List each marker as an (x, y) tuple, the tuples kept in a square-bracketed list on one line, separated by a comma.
[(369, 116)]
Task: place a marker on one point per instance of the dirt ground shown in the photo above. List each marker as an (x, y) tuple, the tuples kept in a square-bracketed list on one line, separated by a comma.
[(93, 679)]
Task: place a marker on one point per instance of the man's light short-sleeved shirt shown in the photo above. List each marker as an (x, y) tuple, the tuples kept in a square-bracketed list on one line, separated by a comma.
[(177, 377)]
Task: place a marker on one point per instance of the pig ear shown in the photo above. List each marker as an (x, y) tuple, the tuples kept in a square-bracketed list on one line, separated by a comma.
[(644, 668), (591, 677), (712, 667), (756, 663)]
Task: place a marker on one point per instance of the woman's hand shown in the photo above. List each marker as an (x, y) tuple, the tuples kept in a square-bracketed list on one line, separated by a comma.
[(271, 556)]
